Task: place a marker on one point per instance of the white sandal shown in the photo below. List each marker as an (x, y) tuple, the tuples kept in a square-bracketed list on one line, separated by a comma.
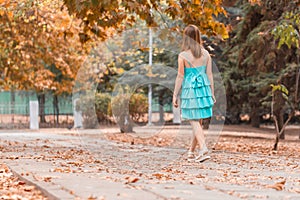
[(202, 158), (190, 155)]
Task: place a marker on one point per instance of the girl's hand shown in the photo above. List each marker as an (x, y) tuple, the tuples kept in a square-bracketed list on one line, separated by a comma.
[(214, 98), (175, 103)]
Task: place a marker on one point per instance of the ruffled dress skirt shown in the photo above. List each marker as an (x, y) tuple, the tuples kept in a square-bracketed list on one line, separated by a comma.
[(196, 95)]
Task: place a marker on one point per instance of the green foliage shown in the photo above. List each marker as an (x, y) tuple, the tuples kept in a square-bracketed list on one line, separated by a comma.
[(130, 50), (253, 60), (138, 106), (94, 109), (282, 89), (103, 107), (287, 31), (99, 108), (86, 105)]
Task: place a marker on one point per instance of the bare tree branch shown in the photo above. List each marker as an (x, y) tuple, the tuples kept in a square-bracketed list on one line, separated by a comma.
[(283, 127)]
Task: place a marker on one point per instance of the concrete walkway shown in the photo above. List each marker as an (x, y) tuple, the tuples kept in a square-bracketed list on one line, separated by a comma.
[(72, 165)]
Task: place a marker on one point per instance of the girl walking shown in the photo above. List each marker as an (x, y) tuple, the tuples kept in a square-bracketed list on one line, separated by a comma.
[(197, 95)]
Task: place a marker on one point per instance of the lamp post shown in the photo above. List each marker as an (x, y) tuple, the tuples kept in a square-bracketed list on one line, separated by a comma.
[(150, 86)]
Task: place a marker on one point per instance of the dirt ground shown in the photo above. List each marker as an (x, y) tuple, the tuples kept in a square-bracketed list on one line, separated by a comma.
[(234, 138)]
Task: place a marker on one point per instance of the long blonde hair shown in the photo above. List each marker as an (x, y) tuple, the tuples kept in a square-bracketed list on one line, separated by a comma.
[(192, 40)]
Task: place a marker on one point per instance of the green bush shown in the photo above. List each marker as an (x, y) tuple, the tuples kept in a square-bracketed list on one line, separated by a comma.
[(103, 106), (86, 106), (138, 106)]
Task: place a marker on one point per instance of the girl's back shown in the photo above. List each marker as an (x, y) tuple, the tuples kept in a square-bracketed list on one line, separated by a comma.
[(191, 61)]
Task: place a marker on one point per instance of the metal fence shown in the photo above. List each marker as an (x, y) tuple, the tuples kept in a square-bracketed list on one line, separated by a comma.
[(17, 117), (14, 116), (14, 110)]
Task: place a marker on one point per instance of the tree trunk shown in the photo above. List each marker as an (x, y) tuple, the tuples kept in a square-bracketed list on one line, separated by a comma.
[(56, 109), (41, 100), (13, 106), (124, 121), (233, 116), (292, 114), (233, 107), (255, 119), (280, 125), (161, 108), (125, 124), (278, 106), (254, 116)]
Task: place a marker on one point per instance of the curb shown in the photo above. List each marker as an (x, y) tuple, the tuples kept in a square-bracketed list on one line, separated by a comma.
[(44, 192)]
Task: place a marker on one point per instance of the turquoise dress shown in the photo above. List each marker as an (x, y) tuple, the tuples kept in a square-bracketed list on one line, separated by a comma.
[(196, 95)]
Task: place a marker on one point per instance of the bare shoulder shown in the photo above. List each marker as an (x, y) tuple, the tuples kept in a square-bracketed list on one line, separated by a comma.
[(183, 55), (205, 52), (186, 55)]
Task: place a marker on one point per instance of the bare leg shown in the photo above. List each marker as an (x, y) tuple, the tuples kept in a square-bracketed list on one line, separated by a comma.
[(193, 144), (198, 134), (194, 140), (200, 122)]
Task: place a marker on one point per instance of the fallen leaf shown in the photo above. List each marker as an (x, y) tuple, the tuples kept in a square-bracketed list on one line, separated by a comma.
[(158, 176), (28, 188), (131, 179), (277, 186), (13, 157), (200, 176), (47, 178), (209, 187), (21, 183), (169, 187), (91, 198)]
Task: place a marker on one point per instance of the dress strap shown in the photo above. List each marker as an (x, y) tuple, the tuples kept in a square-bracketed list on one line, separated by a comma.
[(185, 58), (190, 64)]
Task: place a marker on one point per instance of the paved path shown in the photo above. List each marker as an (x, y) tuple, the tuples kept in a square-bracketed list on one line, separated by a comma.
[(70, 165)]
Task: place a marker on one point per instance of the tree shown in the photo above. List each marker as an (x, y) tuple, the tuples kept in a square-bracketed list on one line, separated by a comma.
[(37, 37), (261, 52), (279, 98), (104, 18)]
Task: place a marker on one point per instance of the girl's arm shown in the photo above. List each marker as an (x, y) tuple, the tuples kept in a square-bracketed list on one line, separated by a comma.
[(178, 81), (210, 76)]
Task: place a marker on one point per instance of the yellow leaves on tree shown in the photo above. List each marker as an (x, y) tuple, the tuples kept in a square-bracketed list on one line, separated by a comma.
[(255, 2), (40, 47), (100, 16)]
